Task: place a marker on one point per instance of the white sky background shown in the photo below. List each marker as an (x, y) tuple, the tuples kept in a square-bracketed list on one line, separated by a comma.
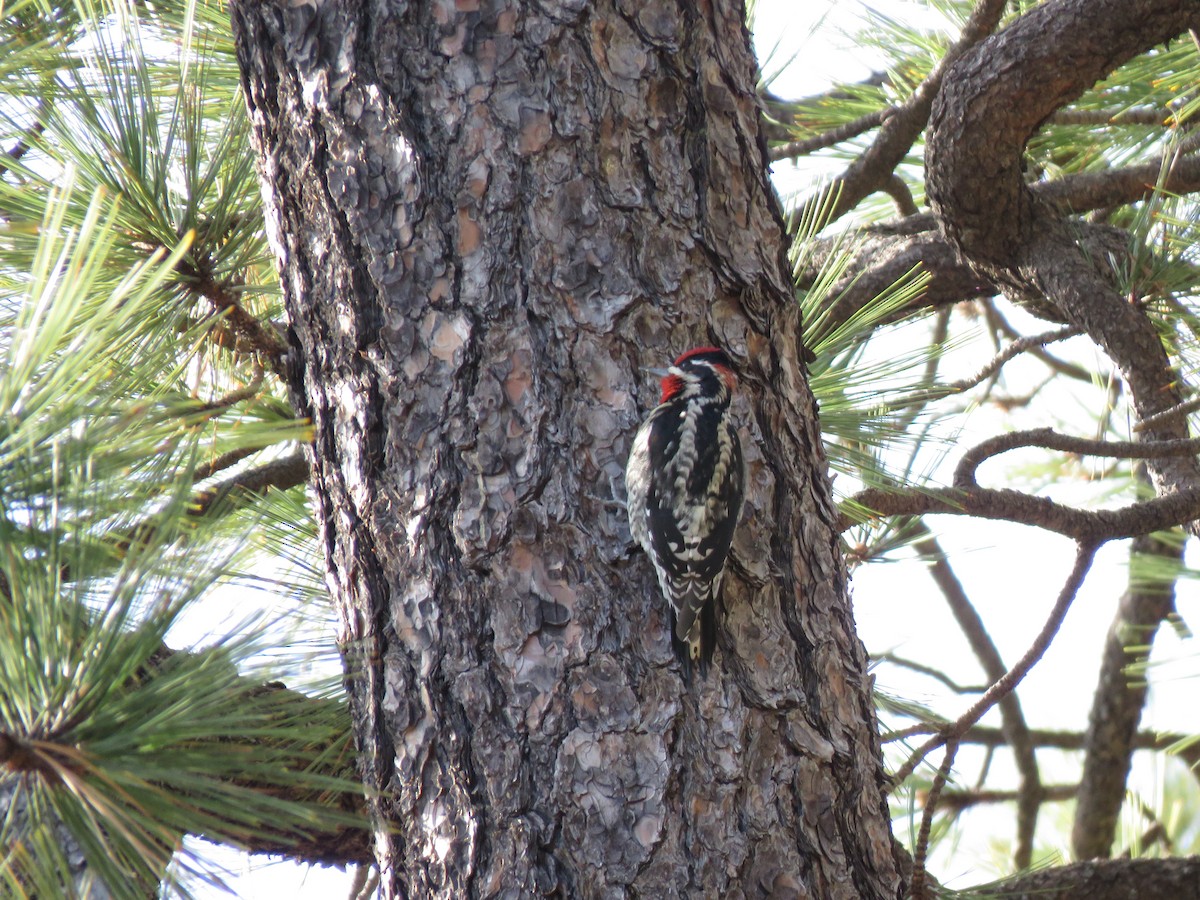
[(1011, 573)]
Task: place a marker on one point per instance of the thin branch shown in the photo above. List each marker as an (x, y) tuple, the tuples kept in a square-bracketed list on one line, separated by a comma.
[(222, 462), (954, 802), (1180, 409), (903, 734), (1020, 345), (998, 321), (794, 149), (992, 738), (780, 112), (1083, 561), (930, 671), (1011, 715), (280, 474), (1051, 739), (918, 890), (248, 392)]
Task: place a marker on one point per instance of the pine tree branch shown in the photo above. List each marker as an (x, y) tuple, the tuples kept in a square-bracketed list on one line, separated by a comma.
[(794, 149), (1011, 716), (280, 474), (954, 802), (1116, 879), (918, 889), (261, 338), (966, 497), (930, 671), (995, 99), (874, 167), (1118, 702), (1085, 554)]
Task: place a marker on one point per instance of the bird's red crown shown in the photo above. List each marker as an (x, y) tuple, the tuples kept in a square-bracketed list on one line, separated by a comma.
[(672, 383)]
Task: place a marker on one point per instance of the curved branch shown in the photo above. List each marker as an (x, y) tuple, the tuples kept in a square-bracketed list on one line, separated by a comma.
[(1049, 439), (968, 498), (993, 100), (1039, 512), (1001, 91)]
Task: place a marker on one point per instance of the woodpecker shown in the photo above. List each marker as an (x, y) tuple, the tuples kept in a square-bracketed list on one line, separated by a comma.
[(685, 482)]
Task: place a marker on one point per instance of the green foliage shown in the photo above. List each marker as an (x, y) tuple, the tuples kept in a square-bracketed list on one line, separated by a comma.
[(130, 237)]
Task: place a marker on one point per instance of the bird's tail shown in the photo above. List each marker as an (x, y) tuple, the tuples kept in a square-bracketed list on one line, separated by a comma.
[(696, 650)]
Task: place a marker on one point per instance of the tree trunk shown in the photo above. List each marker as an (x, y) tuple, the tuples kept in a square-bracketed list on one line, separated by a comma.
[(489, 219)]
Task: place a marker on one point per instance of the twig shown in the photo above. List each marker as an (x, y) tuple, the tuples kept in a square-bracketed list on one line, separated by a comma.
[(1085, 553), (904, 734), (1011, 716), (917, 887), (933, 673), (845, 132), (1180, 409), (957, 801), (248, 392), (1018, 346)]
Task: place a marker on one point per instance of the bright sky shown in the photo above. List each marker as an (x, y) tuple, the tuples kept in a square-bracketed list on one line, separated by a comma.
[(1012, 573)]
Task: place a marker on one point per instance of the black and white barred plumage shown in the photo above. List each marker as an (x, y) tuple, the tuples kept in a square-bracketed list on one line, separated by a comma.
[(685, 483)]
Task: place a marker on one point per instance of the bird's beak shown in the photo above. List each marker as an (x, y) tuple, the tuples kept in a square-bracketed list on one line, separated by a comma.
[(659, 371)]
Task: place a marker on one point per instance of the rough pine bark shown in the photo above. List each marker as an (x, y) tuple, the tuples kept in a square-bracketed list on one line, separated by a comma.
[(490, 217)]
